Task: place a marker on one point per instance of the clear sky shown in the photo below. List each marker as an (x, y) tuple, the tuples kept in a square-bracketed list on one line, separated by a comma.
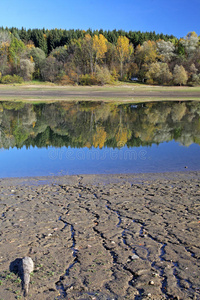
[(177, 17)]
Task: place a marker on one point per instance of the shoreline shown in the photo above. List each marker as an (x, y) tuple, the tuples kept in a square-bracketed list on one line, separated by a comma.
[(101, 178), (120, 236)]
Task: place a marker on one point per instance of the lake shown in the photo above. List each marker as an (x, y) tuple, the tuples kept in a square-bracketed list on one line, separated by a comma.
[(96, 138)]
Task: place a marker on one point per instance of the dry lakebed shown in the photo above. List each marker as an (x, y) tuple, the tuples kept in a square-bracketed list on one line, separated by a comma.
[(128, 236)]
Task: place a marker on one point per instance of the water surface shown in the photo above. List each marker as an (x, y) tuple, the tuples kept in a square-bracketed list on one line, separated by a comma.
[(95, 138)]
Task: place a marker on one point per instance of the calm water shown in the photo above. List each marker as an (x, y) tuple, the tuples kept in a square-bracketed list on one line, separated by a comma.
[(91, 138)]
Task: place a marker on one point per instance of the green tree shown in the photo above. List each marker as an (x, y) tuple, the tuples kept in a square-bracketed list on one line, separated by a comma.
[(39, 39), (61, 54), (38, 56), (16, 50)]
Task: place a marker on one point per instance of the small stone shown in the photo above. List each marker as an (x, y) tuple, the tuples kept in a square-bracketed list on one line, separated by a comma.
[(112, 242), (134, 256), (71, 288), (151, 282)]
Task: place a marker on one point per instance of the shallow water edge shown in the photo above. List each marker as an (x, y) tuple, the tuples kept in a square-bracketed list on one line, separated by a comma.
[(99, 178)]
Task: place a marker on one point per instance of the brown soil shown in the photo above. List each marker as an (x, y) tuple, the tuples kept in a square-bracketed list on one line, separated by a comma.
[(102, 237), (100, 94)]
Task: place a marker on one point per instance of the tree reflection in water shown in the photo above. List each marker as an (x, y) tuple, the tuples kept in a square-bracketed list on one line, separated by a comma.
[(98, 124)]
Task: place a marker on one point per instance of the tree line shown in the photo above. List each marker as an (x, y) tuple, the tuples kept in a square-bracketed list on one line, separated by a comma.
[(98, 57)]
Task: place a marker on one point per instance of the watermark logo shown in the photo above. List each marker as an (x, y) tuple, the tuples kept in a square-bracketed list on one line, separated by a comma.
[(71, 154)]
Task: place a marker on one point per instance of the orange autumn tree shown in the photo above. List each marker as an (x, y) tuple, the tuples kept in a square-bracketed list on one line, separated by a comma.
[(124, 51)]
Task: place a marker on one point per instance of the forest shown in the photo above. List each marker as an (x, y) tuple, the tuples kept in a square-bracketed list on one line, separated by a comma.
[(97, 124), (78, 57)]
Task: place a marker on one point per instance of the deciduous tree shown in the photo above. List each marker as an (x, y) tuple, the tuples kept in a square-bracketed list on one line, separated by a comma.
[(190, 43), (124, 50), (16, 50), (38, 56), (50, 69), (103, 75), (180, 75), (26, 69), (4, 47), (144, 56), (159, 73), (99, 47), (166, 50)]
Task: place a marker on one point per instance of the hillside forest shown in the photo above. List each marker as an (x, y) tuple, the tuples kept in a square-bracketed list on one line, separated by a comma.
[(98, 57)]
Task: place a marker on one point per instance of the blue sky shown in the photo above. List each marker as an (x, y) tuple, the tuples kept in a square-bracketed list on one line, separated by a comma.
[(177, 17)]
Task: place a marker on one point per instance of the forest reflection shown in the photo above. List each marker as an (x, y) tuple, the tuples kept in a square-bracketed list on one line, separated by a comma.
[(98, 124)]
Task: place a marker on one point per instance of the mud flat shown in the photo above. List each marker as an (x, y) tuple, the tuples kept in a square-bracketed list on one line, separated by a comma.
[(102, 236)]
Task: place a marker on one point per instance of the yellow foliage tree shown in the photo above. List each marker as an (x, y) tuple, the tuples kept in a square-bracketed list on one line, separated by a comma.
[(124, 50), (122, 136), (99, 137), (30, 45), (147, 53), (99, 47), (144, 56)]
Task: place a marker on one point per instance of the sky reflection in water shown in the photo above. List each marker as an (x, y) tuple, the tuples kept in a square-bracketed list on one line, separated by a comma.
[(166, 157)]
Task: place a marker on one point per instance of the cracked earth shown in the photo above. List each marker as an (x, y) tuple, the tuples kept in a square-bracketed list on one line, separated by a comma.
[(93, 237)]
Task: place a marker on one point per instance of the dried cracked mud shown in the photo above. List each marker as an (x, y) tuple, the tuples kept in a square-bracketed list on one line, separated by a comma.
[(102, 237)]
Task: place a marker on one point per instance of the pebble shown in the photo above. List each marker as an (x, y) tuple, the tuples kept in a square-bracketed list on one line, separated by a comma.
[(151, 282), (134, 256)]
